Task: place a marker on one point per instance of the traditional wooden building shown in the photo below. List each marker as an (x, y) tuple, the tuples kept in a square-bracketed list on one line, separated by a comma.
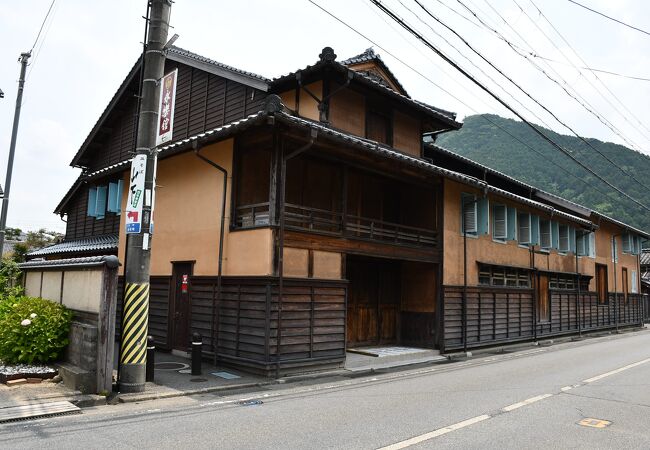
[(313, 212)]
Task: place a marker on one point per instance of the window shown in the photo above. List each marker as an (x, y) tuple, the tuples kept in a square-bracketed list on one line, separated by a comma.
[(581, 240), (500, 224), (379, 127), (469, 214), (115, 197), (97, 201), (628, 243), (565, 281), (635, 281), (592, 245), (523, 229), (614, 249), (564, 238), (545, 234), (503, 276), (555, 235)]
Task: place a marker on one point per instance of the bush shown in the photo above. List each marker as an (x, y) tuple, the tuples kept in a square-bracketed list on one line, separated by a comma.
[(9, 276), (32, 330)]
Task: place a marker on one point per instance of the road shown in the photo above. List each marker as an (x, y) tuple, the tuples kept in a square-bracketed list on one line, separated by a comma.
[(529, 399)]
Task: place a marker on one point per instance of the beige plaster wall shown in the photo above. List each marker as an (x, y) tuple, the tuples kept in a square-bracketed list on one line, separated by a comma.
[(51, 288), (82, 290), (484, 249), (33, 284), (296, 262), (327, 265), (604, 256), (187, 219)]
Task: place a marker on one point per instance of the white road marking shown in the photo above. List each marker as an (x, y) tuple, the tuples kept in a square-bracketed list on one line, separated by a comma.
[(613, 372), (566, 388), (525, 402), (436, 433)]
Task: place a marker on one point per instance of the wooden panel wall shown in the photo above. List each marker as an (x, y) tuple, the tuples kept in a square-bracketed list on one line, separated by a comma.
[(159, 294), (203, 101), (501, 315), (247, 322)]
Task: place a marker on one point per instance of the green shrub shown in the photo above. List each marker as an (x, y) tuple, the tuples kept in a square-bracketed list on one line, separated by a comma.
[(32, 330), (9, 277)]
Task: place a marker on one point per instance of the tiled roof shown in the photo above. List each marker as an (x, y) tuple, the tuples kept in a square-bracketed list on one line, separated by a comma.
[(368, 56), (109, 260), (173, 50), (91, 244), (421, 163), (645, 257)]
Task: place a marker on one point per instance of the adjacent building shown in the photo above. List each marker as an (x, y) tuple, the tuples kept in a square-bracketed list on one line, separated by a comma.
[(340, 223)]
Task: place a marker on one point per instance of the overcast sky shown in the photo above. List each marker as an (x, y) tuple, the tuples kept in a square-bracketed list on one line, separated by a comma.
[(88, 47)]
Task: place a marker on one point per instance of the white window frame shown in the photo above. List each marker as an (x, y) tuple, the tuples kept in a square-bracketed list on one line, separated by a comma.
[(591, 245), (474, 204), (545, 223), (529, 237), (561, 248), (504, 208), (635, 282)]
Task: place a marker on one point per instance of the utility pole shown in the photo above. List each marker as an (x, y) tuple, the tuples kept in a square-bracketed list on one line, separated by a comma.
[(24, 57), (135, 320)]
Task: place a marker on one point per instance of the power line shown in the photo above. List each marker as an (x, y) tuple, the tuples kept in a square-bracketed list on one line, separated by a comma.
[(526, 93), (591, 69), (392, 15), (548, 38), (42, 25), (525, 54), (610, 18), (486, 118)]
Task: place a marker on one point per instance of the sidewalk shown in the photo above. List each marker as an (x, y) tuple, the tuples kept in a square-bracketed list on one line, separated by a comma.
[(45, 392), (173, 378)]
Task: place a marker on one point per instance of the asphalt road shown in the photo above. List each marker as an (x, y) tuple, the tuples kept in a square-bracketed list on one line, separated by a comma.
[(529, 399)]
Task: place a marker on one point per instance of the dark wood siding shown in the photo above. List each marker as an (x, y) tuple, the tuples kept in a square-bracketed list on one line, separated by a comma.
[(80, 225), (500, 315), (203, 101)]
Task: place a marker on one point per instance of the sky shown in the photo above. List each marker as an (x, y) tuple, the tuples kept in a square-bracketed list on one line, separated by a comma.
[(87, 48)]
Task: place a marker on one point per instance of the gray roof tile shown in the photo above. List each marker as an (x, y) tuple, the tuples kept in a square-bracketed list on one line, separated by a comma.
[(91, 244)]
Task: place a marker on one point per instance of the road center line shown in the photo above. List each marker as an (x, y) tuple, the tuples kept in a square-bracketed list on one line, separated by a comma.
[(613, 372), (436, 433), (525, 402)]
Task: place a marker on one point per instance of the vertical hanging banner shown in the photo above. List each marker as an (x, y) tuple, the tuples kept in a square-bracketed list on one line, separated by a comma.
[(136, 194), (166, 107)]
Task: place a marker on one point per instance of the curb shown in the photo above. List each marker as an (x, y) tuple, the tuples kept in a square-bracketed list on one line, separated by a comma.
[(133, 398)]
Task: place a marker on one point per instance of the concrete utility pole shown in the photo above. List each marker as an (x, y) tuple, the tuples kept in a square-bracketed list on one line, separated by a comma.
[(24, 57), (136, 293)]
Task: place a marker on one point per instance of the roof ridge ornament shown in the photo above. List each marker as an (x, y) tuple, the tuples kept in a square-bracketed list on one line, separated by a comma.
[(273, 104), (327, 55)]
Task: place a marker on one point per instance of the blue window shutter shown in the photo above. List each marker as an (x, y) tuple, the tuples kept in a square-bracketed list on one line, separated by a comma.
[(534, 230), (572, 240), (512, 224), (120, 189), (92, 201), (100, 208), (555, 235), (483, 207), (112, 197)]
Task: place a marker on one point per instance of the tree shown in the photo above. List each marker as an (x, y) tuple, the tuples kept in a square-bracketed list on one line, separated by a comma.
[(13, 234)]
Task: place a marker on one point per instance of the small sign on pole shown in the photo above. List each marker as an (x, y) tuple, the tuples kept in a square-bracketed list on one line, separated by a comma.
[(136, 190), (166, 107)]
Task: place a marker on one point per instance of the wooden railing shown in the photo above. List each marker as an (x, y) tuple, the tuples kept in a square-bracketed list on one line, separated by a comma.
[(335, 223)]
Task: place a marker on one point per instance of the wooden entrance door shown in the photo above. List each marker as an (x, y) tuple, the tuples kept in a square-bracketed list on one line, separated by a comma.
[(180, 311), (373, 301)]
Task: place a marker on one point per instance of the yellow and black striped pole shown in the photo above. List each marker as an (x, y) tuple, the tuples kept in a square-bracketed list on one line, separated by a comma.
[(140, 204), (135, 324)]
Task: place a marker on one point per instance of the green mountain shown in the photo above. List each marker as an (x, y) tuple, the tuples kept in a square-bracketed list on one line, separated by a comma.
[(493, 141)]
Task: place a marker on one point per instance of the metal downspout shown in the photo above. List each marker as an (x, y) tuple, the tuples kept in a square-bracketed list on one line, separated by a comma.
[(215, 304), (283, 171)]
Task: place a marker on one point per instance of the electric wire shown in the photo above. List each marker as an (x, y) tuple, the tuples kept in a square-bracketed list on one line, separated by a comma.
[(486, 118), (435, 49), (527, 93), (585, 63), (591, 69), (610, 18), (615, 129)]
